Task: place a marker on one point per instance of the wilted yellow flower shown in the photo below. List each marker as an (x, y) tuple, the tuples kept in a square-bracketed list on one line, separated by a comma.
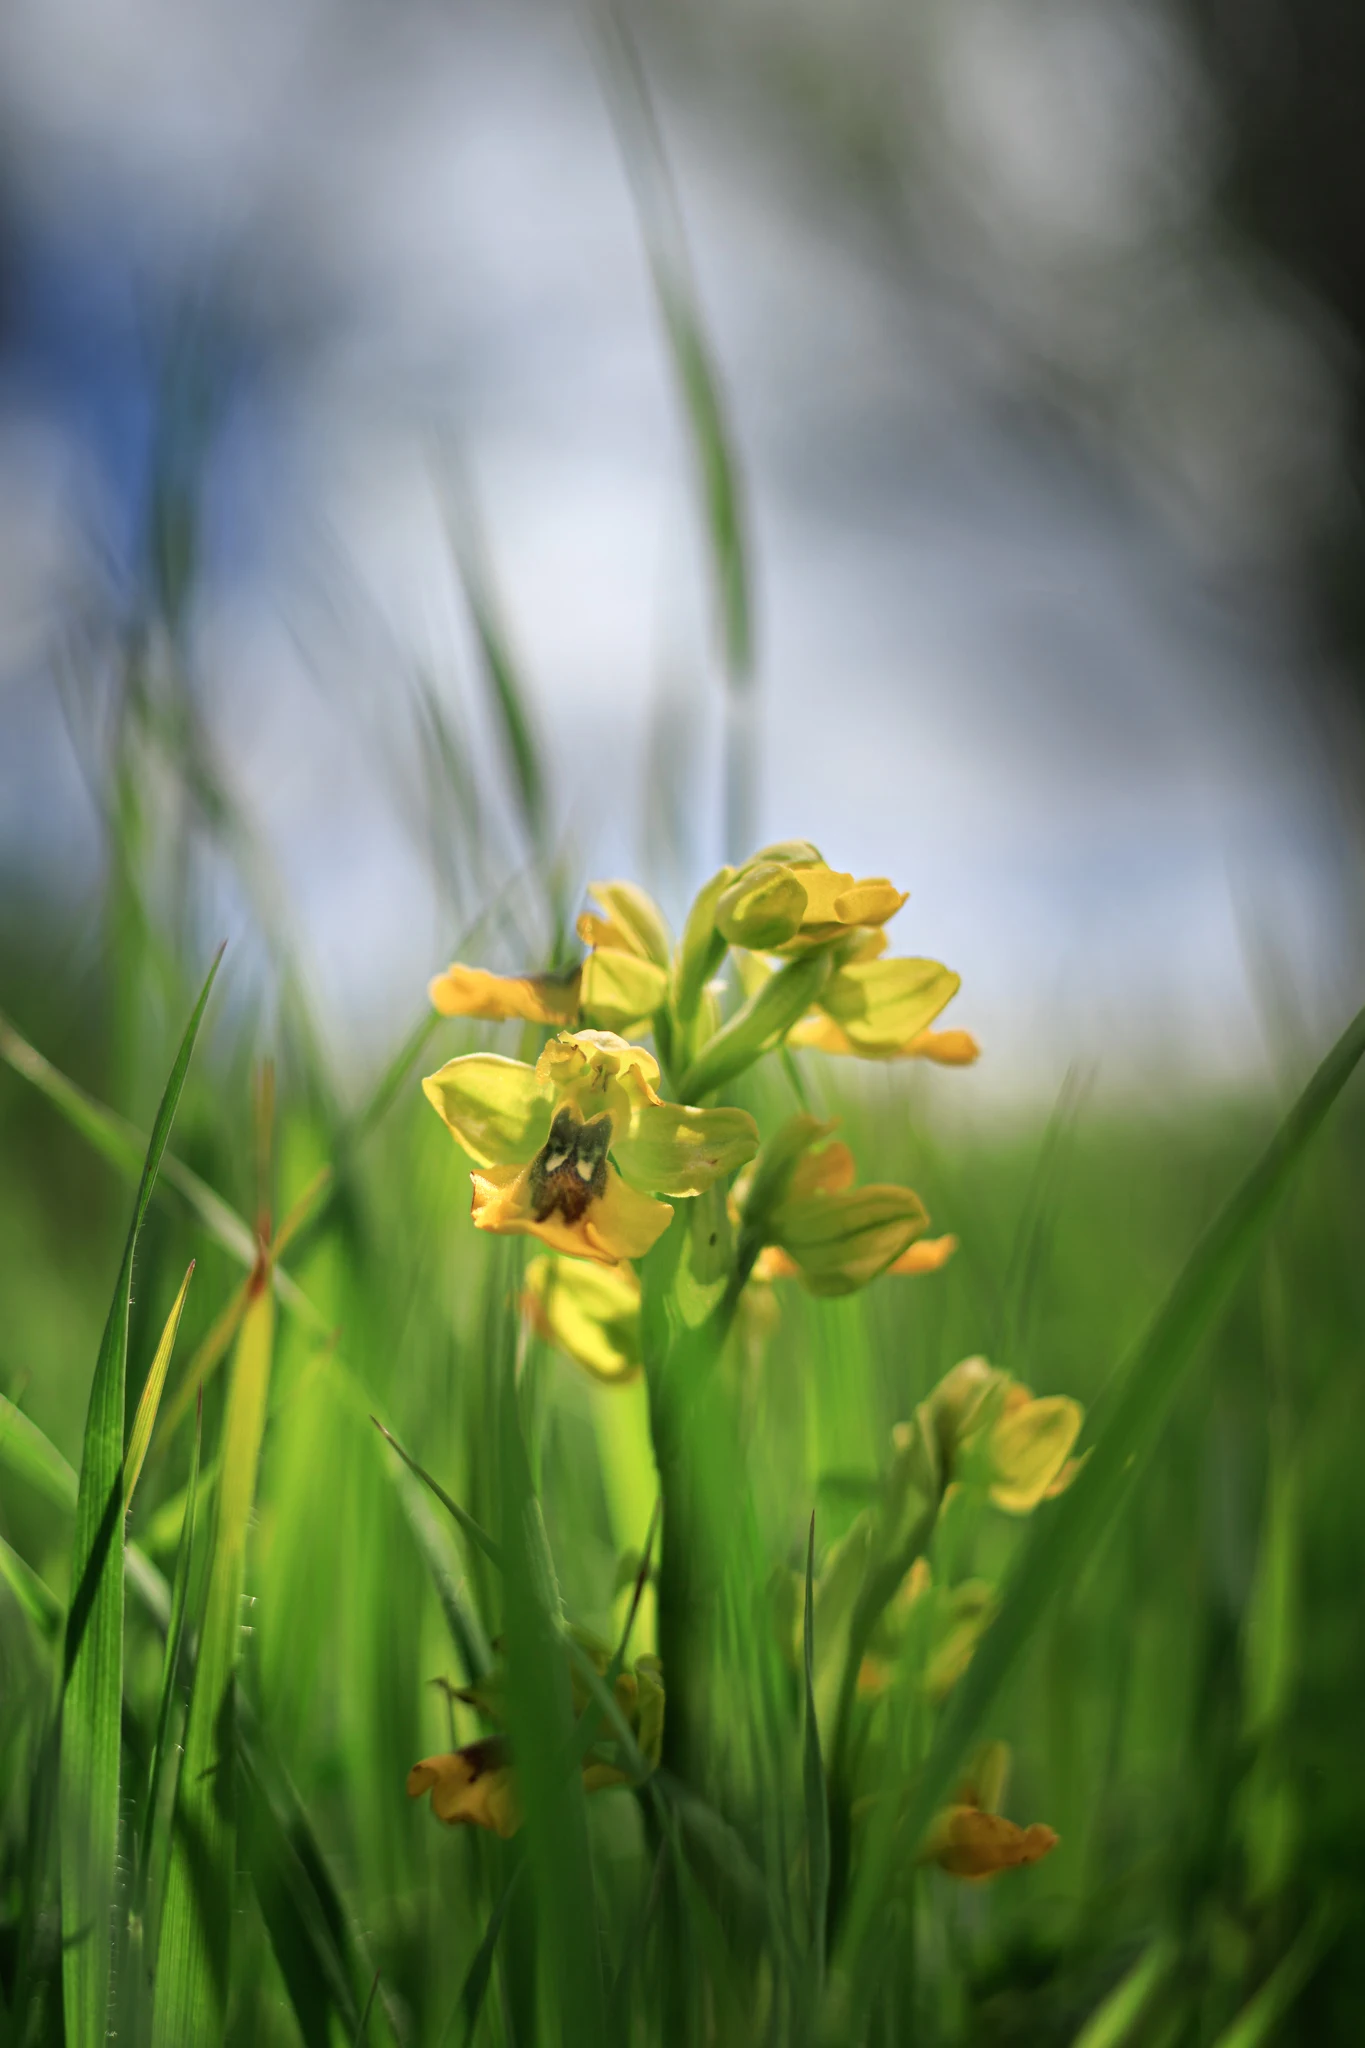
[(537, 998), (966, 1842), (471, 1786), (591, 1312), (574, 1150), (833, 1236), (617, 987), (971, 1838), (982, 1425)]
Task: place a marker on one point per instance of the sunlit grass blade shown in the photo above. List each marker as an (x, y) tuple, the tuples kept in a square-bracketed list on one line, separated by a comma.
[(93, 1651), (813, 1782), (194, 1948), (144, 1420), (1123, 2015), (218, 1339), (1129, 1419), (540, 1720), (491, 1549)]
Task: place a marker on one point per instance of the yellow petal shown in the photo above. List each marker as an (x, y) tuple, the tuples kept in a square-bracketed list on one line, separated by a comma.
[(773, 1263), (633, 923), (966, 1842), (472, 1786), (618, 1224), (539, 998), (1029, 1445), (592, 1312), (828, 1171), (945, 1048), (619, 989), (495, 1108), (824, 887), (674, 1150), (881, 1004), (927, 1256), (820, 1033), (870, 903), (841, 1241)]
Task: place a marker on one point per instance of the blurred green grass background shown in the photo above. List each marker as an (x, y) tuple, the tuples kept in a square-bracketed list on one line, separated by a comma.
[(1187, 1718)]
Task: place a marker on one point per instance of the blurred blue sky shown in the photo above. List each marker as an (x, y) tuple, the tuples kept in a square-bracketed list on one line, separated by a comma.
[(1028, 633)]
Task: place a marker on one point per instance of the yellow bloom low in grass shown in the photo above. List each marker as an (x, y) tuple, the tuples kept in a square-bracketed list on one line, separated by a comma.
[(476, 1786), (972, 1839), (471, 1787), (576, 1149)]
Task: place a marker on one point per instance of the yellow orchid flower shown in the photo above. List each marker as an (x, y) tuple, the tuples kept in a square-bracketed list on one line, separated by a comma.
[(956, 1619), (983, 1426), (575, 1149), (971, 1839), (787, 898), (591, 1312)]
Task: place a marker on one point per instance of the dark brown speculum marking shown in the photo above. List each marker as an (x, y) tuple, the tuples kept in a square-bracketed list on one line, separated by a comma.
[(570, 1171)]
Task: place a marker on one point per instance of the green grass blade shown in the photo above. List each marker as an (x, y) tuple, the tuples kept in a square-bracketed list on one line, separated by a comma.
[(540, 1722), (1261, 2019), (29, 1455), (144, 1421), (1129, 1420), (491, 1550), (93, 1651), (33, 1593), (332, 1959), (480, 1972), (175, 1634), (193, 1957), (813, 1783), (437, 1546)]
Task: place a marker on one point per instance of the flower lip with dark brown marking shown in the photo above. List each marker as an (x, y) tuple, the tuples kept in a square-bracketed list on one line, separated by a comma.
[(571, 1170)]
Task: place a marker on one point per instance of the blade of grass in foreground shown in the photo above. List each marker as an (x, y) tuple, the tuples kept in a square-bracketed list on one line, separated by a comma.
[(813, 1773), (92, 1701), (540, 1722), (1130, 1415), (193, 1954)]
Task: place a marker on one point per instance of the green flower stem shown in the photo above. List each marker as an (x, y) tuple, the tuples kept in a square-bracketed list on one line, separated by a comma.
[(879, 1589)]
